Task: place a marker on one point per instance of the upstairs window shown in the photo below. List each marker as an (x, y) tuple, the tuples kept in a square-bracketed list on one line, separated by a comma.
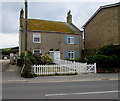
[(71, 39), (36, 38)]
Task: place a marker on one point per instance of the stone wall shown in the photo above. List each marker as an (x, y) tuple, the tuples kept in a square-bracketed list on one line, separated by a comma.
[(53, 41), (102, 29)]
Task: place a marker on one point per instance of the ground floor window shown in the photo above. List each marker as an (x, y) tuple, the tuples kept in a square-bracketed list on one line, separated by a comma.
[(36, 51), (71, 54)]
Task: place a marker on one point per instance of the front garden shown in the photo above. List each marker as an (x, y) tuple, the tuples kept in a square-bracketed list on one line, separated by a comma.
[(40, 65)]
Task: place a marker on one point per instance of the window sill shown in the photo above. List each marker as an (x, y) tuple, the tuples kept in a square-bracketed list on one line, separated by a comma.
[(36, 42)]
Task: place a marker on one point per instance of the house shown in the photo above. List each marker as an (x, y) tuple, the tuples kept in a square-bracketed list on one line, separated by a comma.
[(103, 28), (45, 36)]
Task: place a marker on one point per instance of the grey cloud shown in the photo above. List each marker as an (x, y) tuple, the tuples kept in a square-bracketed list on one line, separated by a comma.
[(10, 17), (55, 11)]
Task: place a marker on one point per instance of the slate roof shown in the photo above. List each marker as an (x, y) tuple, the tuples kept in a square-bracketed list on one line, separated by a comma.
[(52, 26), (101, 7)]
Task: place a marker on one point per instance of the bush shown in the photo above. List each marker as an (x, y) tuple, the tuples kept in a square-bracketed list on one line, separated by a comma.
[(45, 59), (27, 71), (20, 62), (31, 57), (109, 50), (37, 58), (105, 62), (107, 59)]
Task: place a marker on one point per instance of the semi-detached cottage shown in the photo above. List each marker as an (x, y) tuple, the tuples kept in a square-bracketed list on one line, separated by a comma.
[(44, 36)]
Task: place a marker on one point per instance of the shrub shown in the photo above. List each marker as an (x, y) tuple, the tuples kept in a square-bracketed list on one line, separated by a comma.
[(20, 62), (109, 50), (37, 58), (27, 72), (104, 61), (45, 59), (31, 57), (22, 55)]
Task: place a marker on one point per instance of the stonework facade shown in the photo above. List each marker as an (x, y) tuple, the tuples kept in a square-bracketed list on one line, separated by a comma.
[(52, 37), (103, 28)]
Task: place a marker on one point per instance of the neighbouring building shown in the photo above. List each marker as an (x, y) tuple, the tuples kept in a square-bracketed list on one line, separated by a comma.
[(103, 28), (45, 36)]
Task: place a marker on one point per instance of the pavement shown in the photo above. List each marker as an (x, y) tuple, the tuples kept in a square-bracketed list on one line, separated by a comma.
[(11, 74)]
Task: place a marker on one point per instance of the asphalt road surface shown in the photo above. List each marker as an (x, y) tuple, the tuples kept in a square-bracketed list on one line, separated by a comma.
[(106, 89)]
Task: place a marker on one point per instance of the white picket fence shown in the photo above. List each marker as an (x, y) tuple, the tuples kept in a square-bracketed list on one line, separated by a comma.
[(52, 69), (64, 67), (79, 67)]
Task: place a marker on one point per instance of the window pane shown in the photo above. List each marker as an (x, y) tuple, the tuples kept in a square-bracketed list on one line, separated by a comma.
[(36, 51), (71, 54), (36, 39), (70, 39)]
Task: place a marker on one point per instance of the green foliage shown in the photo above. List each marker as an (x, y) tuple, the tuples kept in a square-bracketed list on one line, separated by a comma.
[(107, 58), (7, 51), (45, 59), (102, 59), (20, 62), (109, 50), (22, 55), (31, 57), (27, 71), (37, 59)]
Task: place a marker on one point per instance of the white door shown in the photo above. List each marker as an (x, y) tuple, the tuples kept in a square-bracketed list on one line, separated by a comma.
[(56, 54)]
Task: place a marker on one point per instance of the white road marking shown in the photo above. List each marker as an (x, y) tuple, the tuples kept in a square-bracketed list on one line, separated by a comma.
[(82, 93)]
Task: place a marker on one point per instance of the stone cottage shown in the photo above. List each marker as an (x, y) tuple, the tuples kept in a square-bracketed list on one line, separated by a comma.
[(45, 36)]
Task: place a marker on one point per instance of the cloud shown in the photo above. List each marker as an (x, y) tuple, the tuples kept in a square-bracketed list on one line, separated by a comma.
[(10, 17), (8, 40), (55, 11)]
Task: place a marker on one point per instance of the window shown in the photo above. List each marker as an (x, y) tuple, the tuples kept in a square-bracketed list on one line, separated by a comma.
[(71, 54), (36, 51), (70, 39), (36, 38)]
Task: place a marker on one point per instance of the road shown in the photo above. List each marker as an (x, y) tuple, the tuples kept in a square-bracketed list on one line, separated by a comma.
[(104, 89)]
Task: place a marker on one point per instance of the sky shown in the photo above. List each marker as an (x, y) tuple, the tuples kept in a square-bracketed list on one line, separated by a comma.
[(56, 11)]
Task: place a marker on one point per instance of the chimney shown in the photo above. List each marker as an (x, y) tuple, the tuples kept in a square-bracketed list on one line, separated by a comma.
[(21, 13), (21, 17), (69, 17)]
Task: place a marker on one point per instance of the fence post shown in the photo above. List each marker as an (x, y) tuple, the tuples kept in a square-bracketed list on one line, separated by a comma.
[(86, 68), (95, 67)]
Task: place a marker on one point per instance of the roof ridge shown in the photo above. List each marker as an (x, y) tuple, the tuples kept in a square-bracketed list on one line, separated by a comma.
[(99, 9), (46, 20), (110, 5)]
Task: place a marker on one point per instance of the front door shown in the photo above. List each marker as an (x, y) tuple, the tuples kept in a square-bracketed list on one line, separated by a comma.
[(56, 54)]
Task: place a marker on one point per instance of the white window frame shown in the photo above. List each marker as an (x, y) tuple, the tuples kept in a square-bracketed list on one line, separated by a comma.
[(71, 52), (71, 39), (38, 35), (37, 50)]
